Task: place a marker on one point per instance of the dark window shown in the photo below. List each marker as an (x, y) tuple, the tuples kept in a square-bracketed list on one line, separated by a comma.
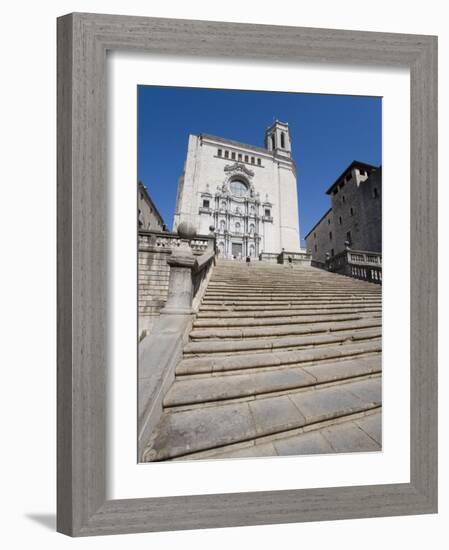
[(375, 193), (259, 162), (332, 251), (330, 235), (348, 237), (253, 160), (206, 204), (339, 220), (343, 198), (282, 140), (316, 248), (246, 158), (240, 156), (219, 152), (226, 154), (233, 155), (328, 221), (273, 142), (352, 211), (267, 212), (348, 177), (314, 235)]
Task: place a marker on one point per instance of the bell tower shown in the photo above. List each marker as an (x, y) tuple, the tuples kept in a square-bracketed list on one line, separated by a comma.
[(277, 139)]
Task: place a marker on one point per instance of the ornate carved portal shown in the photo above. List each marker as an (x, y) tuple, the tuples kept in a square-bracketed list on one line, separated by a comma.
[(236, 213)]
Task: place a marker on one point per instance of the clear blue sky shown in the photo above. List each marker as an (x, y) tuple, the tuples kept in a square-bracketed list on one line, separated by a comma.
[(328, 133)]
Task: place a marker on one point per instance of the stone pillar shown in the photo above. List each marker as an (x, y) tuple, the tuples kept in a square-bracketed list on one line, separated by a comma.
[(212, 244), (180, 285)]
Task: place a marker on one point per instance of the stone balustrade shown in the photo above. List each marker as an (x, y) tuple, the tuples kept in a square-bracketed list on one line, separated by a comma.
[(182, 264), (294, 258), (358, 264), (156, 241), (287, 258), (155, 248)]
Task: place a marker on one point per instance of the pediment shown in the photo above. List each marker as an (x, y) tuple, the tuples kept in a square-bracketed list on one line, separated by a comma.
[(239, 167)]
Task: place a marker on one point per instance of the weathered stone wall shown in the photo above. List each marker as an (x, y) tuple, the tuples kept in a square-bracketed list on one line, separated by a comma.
[(356, 212), (148, 215), (318, 241), (153, 274), (154, 271), (370, 238)]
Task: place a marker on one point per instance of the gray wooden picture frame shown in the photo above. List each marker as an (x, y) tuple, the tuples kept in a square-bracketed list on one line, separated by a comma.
[(83, 40)]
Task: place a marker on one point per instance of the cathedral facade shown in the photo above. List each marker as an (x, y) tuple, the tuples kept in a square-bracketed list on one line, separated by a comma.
[(244, 193)]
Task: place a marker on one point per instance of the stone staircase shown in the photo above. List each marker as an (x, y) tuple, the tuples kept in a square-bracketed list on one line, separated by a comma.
[(280, 361)]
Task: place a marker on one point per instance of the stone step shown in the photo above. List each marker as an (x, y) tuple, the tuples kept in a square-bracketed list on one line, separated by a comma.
[(288, 285), (254, 278), (301, 301), (282, 304), (241, 362), (283, 317), (280, 272), (247, 327), (257, 280), (284, 286), (360, 432), (267, 313), (186, 432), (198, 391), (288, 297), (288, 276), (292, 286), (276, 341)]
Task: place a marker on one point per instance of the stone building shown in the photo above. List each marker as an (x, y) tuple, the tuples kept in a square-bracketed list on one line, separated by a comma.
[(355, 216), (148, 216), (247, 193)]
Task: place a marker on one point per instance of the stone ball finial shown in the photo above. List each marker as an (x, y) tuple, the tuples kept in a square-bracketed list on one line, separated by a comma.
[(211, 228), (186, 230)]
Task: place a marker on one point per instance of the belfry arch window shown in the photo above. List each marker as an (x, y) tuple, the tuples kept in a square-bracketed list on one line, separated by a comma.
[(239, 188), (273, 142), (282, 140)]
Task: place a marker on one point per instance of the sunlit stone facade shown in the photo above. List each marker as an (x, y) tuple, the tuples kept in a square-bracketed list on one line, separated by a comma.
[(248, 194)]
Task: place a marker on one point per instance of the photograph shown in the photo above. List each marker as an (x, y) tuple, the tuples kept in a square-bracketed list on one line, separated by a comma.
[(259, 220)]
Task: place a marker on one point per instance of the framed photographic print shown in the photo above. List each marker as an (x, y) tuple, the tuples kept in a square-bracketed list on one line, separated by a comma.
[(246, 274), (279, 358)]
